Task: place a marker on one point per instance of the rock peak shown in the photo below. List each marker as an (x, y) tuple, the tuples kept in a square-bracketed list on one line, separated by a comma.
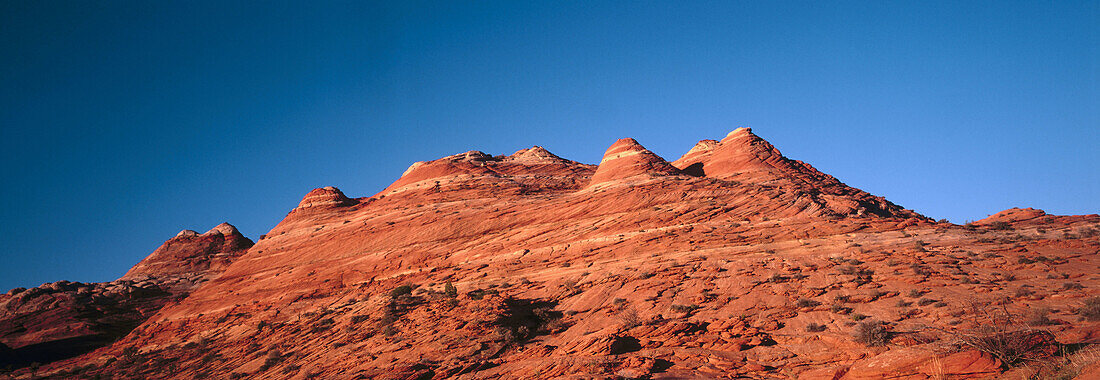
[(225, 229), (534, 154), (187, 233), (325, 196), (740, 131), (189, 253), (627, 158), (1013, 215)]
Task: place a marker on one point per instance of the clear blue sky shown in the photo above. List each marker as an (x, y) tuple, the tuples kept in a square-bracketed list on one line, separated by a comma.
[(122, 123)]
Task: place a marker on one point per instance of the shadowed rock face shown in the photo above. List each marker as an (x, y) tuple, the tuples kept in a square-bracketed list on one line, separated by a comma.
[(63, 319), (476, 266)]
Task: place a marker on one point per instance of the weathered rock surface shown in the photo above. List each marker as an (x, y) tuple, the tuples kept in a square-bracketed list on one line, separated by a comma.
[(626, 159), (190, 254), (733, 262), (62, 319)]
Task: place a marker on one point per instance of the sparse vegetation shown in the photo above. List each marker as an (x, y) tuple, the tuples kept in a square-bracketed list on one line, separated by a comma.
[(629, 318), (1039, 316), (450, 290), (804, 303), (815, 327), (1091, 309), (401, 291), (685, 308), (871, 333)]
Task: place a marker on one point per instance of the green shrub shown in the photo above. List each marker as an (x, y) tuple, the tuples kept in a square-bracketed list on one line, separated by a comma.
[(401, 291), (450, 290)]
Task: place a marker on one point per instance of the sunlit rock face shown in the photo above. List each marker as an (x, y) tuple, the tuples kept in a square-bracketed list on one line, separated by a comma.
[(732, 261)]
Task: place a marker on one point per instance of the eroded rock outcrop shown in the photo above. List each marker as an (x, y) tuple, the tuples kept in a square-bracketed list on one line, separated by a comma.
[(744, 157), (63, 319), (190, 254), (627, 159)]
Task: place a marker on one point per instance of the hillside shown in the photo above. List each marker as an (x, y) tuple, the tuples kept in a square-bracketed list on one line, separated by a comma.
[(732, 261)]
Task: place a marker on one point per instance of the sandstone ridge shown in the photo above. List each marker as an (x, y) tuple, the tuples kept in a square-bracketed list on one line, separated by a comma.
[(62, 319), (731, 262)]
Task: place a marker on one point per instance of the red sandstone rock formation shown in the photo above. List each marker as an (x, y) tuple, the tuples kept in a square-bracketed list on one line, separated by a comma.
[(193, 254), (732, 262), (627, 159), (63, 319)]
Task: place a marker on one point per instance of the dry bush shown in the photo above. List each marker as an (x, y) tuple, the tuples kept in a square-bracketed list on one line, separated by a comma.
[(871, 333), (815, 327), (1004, 335), (629, 318), (1091, 309)]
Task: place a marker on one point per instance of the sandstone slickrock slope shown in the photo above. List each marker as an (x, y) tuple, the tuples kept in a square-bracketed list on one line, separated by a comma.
[(63, 319), (731, 262)]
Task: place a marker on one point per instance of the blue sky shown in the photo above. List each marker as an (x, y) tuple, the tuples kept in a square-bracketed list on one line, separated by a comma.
[(124, 122)]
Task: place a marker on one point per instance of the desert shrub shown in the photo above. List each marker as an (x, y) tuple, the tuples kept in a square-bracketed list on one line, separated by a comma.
[(273, 358), (481, 293), (815, 327), (1024, 292), (450, 290), (323, 325), (925, 301), (802, 303), (1091, 309), (939, 304), (291, 368), (840, 309), (401, 291), (1039, 316), (358, 318), (859, 317), (1071, 286), (1012, 346), (921, 270), (878, 294), (389, 330), (630, 318), (903, 303), (871, 333), (1000, 226), (685, 308)]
